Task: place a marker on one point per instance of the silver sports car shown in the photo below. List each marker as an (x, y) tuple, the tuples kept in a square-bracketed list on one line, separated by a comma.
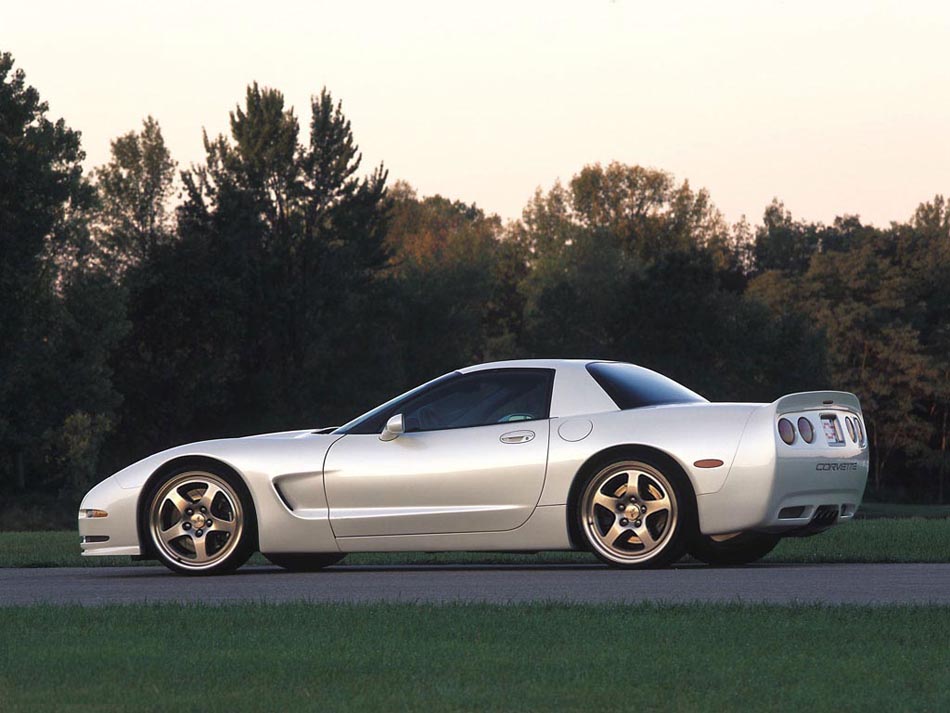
[(519, 456)]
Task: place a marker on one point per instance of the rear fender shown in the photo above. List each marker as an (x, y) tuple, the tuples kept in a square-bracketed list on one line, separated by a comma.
[(768, 474)]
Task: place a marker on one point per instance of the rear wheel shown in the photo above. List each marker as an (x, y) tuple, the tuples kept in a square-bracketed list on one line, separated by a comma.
[(305, 562), (740, 548), (637, 514), (201, 521)]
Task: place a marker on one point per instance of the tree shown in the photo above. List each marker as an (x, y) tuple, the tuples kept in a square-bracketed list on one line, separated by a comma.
[(646, 209), (924, 250), (625, 266), (60, 315), (271, 307), (857, 287), (135, 189), (783, 243), (290, 288), (456, 284)]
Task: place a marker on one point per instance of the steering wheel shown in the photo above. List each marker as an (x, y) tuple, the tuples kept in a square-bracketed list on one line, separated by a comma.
[(511, 417)]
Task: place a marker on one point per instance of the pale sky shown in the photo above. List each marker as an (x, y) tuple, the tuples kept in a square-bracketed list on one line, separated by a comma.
[(834, 107)]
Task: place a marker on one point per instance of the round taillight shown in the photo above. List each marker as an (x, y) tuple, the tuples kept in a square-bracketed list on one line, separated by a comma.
[(805, 428), (857, 422), (786, 430), (852, 431)]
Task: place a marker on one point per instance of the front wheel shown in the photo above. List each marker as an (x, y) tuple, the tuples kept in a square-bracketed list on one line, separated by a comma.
[(201, 521), (637, 514), (304, 562), (741, 548)]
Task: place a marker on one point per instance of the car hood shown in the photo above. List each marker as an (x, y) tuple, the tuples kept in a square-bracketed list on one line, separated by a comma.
[(231, 451), (286, 435)]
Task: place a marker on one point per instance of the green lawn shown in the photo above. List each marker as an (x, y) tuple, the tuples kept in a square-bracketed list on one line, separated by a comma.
[(473, 657), (874, 510), (880, 540)]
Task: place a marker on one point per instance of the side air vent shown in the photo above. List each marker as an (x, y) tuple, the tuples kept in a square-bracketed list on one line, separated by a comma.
[(283, 497)]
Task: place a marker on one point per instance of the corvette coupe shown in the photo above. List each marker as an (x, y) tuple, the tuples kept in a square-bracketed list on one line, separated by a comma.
[(525, 456)]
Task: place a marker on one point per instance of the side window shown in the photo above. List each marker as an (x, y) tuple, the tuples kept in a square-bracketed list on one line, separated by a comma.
[(481, 399)]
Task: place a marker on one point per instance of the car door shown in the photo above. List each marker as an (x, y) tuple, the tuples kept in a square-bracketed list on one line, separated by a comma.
[(472, 459)]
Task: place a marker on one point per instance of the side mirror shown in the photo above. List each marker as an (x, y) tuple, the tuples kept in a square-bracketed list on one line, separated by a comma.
[(395, 427)]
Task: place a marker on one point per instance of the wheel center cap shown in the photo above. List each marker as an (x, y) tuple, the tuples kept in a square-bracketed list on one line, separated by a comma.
[(198, 520)]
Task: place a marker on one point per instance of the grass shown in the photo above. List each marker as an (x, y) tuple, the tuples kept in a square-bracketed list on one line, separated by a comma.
[(874, 510), (473, 657), (897, 540), (879, 540)]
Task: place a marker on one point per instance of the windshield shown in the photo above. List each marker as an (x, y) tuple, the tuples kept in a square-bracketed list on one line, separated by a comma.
[(367, 423)]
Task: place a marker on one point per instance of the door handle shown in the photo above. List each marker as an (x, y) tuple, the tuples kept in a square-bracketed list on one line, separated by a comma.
[(517, 437)]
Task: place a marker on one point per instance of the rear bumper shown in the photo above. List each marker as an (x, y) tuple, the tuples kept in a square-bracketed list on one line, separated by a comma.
[(778, 509), (822, 517), (789, 490), (813, 493), (114, 534)]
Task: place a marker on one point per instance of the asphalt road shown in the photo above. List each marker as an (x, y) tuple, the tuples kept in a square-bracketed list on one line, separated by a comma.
[(835, 584)]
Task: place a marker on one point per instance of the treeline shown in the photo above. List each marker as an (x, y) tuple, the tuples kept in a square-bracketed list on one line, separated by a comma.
[(280, 284)]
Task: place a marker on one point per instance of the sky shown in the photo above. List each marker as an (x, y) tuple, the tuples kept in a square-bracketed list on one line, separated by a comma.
[(833, 107)]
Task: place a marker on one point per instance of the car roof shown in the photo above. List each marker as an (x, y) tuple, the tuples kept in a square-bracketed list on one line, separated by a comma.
[(530, 364)]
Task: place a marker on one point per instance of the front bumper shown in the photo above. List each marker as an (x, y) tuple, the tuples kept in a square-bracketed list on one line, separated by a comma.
[(115, 534)]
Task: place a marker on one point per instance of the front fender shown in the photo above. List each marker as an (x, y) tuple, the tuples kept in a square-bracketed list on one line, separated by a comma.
[(293, 458)]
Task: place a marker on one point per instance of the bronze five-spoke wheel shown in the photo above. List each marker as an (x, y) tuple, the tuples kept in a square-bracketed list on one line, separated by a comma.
[(634, 514), (198, 522)]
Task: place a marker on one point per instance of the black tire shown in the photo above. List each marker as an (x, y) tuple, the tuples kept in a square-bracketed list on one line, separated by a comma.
[(306, 561), (233, 549), (744, 548), (681, 515)]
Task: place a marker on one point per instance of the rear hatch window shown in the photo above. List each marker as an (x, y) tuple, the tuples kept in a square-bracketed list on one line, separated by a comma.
[(635, 387)]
